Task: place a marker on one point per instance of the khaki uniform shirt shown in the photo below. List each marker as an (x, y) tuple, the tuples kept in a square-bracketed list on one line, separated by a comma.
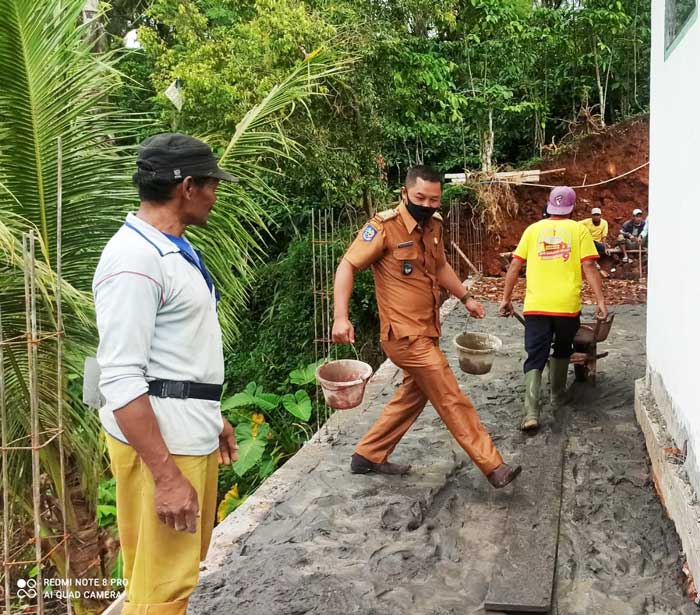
[(405, 259)]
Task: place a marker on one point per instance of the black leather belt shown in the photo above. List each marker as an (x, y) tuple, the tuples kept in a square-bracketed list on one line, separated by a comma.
[(184, 390)]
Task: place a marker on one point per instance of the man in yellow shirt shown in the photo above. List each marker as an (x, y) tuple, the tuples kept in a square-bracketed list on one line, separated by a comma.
[(599, 230), (556, 250)]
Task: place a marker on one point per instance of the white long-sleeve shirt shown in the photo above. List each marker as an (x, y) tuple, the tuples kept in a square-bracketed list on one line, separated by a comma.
[(157, 319)]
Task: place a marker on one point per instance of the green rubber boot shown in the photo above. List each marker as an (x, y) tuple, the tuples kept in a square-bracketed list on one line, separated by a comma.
[(533, 389), (558, 372)]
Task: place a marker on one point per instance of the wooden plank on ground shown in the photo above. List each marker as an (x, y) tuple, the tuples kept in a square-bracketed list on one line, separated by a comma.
[(523, 576), (547, 172)]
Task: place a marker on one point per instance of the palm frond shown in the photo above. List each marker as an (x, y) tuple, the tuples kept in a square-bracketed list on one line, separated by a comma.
[(52, 86), (234, 240)]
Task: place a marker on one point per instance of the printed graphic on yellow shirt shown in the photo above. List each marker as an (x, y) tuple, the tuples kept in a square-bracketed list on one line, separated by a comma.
[(554, 243)]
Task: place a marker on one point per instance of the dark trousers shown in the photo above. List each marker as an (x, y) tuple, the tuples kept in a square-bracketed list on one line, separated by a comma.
[(600, 247), (545, 332)]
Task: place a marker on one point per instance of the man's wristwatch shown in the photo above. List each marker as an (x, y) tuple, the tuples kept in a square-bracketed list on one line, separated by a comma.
[(466, 298)]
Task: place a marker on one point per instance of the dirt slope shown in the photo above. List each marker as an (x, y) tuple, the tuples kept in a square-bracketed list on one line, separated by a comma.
[(592, 159)]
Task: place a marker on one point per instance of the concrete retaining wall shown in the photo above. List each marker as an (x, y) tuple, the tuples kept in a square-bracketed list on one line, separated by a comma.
[(670, 475)]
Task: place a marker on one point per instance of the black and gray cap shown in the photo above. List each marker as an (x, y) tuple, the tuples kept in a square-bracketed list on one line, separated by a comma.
[(174, 156)]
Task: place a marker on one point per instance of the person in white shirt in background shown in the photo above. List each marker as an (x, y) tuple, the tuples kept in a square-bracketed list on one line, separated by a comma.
[(632, 234)]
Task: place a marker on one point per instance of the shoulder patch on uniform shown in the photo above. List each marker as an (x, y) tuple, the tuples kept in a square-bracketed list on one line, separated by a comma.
[(369, 233), (387, 214), (437, 216)]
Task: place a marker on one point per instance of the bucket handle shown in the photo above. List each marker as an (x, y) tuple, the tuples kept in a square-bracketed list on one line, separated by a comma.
[(357, 356)]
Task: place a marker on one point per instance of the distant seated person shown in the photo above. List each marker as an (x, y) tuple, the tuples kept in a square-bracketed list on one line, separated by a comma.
[(599, 230), (645, 233), (633, 234)]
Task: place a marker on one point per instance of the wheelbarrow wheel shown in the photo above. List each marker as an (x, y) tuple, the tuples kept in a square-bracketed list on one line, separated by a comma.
[(581, 372)]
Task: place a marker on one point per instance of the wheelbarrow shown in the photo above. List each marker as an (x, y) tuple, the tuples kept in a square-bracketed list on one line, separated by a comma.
[(586, 355)]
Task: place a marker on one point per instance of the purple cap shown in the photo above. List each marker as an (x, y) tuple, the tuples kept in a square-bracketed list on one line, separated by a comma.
[(561, 201)]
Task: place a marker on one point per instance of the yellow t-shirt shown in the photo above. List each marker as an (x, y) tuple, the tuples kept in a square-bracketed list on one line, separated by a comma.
[(600, 232), (554, 251)]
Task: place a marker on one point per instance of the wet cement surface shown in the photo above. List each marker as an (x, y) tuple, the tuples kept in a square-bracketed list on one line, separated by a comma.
[(427, 543)]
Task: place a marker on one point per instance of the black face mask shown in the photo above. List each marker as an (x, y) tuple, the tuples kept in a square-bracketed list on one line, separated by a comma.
[(419, 212)]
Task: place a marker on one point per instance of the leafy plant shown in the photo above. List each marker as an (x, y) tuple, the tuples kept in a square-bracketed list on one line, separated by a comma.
[(107, 503), (229, 503), (298, 404), (305, 375), (269, 428), (252, 440), (252, 396)]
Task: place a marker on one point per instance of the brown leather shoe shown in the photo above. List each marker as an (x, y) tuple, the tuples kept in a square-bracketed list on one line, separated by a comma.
[(361, 465), (503, 475)]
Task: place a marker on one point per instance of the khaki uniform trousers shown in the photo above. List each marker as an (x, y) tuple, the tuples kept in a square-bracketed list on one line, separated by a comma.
[(427, 377), (161, 565)]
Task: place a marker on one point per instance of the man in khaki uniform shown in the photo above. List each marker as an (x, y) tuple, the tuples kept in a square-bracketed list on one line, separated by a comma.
[(404, 247)]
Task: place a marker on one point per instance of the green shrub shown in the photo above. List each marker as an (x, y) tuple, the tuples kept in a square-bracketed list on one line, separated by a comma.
[(277, 332)]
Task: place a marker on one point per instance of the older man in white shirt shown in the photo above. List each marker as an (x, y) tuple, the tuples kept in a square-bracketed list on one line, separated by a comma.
[(162, 369)]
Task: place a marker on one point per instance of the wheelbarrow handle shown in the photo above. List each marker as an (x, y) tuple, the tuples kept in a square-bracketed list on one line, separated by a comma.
[(519, 317)]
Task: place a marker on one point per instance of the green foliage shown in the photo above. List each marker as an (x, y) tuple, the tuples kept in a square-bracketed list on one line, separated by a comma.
[(278, 330), (229, 503), (298, 405), (252, 439), (107, 503), (269, 429), (305, 375), (252, 396), (430, 79)]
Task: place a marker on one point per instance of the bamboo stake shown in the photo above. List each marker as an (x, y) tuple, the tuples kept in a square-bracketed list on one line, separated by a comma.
[(324, 286), (332, 266), (315, 289), (32, 360), (59, 366), (5, 479)]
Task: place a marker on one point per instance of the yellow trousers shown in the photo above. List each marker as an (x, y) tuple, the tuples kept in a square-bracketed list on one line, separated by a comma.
[(161, 565), (427, 377)]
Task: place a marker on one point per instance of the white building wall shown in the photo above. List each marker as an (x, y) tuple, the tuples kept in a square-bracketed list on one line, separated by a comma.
[(673, 326)]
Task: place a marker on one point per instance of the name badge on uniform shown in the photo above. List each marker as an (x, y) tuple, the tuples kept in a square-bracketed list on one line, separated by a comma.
[(407, 268)]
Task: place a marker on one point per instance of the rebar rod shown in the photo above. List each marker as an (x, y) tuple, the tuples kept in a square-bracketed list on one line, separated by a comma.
[(59, 367), (326, 326), (5, 478), (313, 269)]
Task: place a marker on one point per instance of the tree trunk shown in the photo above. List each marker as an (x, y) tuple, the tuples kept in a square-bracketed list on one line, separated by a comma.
[(599, 81), (540, 133), (88, 547), (487, 141), (96, 33)]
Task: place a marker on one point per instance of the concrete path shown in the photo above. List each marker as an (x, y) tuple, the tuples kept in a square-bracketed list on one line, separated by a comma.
[(317, 540)]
